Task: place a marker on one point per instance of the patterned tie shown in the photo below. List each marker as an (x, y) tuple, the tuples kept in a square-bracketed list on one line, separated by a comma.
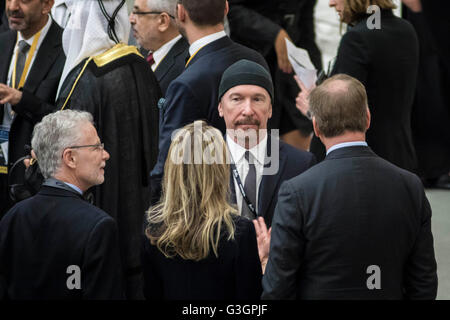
[(150, 59), (249, 187)]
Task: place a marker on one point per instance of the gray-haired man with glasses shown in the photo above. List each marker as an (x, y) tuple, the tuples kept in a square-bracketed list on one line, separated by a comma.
[(155, 30), (55, 245)]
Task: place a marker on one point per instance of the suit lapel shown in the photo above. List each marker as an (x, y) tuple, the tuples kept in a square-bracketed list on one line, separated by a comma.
[(44, 58), (170, 59), (269, 183)]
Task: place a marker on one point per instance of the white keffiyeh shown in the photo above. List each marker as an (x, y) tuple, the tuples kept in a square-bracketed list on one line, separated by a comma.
[(86, 33)]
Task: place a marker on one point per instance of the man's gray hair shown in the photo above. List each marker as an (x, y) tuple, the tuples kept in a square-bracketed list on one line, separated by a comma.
[(53, 134), (168, 6)]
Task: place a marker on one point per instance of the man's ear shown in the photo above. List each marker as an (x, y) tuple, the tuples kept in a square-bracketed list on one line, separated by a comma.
[(227, 8), (270, 111), (315, 127), (220, 109), (48, 4), (181, 12), (164, 23), (69, 158), (369, 117)]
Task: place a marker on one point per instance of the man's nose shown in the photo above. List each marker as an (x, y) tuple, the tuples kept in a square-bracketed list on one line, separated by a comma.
[(105, 154), (12, 5), (247, 107)]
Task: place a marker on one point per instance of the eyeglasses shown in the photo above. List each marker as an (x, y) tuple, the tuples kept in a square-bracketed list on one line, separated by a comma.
[(151, 12), (98, 146)]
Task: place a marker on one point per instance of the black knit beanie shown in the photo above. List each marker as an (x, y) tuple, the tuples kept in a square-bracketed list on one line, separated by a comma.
[(245, 72)]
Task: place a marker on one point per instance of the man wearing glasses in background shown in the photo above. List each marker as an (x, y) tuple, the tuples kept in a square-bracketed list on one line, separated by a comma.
[(55, 245), (155, 30)]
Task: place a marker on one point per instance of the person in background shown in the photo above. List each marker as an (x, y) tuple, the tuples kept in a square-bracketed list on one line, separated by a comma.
[(196, 246), (389, 76), (154, 27), (31, 63), (431, 108)]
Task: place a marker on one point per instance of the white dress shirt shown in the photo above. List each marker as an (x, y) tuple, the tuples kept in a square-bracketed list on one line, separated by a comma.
[(30, 42), (347, 144), (200, 43), (238, 157), (161, 53)]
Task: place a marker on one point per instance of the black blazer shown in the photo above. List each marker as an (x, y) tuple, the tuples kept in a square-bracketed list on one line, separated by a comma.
[(42, 236), (172, 65), (234, 275), (193, 95), (386, 62), (292, 162), (39, 91), (349, 212)]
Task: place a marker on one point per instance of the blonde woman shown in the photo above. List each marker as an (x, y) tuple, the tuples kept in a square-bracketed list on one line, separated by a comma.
[(196, 245)]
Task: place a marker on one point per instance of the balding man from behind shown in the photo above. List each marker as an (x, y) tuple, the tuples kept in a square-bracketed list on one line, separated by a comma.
[(354, 226)]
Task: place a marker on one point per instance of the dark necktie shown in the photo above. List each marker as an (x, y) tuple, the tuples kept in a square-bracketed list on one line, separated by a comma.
[(8, 115), (249, 187), (22, 56), (150, 59)]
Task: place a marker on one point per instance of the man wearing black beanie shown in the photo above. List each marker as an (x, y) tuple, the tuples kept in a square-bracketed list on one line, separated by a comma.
[(260, 162)]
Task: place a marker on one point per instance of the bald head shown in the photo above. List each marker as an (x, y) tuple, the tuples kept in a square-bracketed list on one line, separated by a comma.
[(339, 105)]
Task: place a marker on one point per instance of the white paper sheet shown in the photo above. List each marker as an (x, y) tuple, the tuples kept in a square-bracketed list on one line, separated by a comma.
[(301, 62)]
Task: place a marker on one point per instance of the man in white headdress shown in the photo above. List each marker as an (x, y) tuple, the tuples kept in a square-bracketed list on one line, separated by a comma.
[(114, 82)]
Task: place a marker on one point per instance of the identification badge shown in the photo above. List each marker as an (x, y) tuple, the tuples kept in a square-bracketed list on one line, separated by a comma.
[(4, 136)]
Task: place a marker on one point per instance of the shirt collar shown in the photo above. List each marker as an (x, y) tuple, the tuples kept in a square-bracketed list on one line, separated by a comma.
[(238, 152), (44, 31), (74, 187), (347, 144), (197, 45), (158, 55)]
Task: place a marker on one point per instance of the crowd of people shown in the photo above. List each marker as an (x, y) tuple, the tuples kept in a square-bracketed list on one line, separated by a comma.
[(196, 166)]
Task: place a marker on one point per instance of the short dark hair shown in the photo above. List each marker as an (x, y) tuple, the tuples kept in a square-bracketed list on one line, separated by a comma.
[(339, 107), (355, 10), (205, 12)]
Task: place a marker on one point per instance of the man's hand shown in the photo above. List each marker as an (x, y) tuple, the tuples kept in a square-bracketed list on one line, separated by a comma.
[(302, 100), (413, 5), (263, 239), (29, 161), (9, 95), (281, 51)]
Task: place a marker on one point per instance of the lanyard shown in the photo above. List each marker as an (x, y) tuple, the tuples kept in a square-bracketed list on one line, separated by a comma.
[(241, 188), (27, 63), (191, 57)]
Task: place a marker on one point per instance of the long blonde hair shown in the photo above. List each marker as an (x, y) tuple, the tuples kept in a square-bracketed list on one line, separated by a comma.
[(193, 209)]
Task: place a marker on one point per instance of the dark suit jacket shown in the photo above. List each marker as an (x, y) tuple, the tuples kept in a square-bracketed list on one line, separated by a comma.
[(292, 162), (39, 91), (234, 275), (42, 236), (386, 62), (349, 212), (172, 65), (4, 22), (194, 95)]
